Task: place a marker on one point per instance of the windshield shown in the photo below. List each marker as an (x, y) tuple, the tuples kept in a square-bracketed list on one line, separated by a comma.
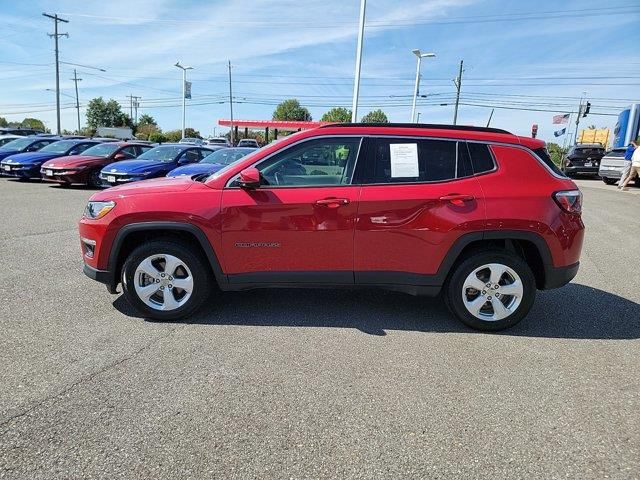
[(226, 155), (102, 150), (221, 141), (163, 154), (229, 166), (18, 144), (615, 153), (59, 147)]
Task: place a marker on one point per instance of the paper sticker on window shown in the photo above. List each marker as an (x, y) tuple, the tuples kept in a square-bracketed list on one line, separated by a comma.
[(404, 160)]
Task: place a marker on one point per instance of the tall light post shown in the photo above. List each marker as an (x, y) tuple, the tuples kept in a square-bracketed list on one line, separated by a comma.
[(184, 92), (420, 56), (356, 82)]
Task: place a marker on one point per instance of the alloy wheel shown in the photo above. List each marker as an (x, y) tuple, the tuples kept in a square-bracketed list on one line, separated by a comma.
[(163, 282), (492, 292)]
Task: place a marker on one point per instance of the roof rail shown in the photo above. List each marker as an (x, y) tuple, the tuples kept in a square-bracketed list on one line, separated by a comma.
[(433, 126)]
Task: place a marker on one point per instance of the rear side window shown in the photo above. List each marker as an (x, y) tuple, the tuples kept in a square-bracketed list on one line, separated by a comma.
[(481, 157), (410, 160), (544, 156)]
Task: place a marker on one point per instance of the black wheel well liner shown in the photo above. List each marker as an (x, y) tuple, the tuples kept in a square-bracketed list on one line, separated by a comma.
[(131, 235), (529, 245)]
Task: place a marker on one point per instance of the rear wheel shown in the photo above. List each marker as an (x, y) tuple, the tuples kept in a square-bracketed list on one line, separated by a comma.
[(166, 280), (609, 181), (491, 290)]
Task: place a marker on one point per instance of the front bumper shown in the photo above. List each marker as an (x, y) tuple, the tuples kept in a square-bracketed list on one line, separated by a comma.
[(102, 276), (63, 176), (20, 171), (114, 180)]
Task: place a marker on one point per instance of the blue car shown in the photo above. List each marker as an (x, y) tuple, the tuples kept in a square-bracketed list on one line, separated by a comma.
[(156, 162), (27, 165), (212, 162), (25, 144)]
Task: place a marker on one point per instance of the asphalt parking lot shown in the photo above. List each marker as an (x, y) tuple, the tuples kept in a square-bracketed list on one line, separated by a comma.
[(313, 384)]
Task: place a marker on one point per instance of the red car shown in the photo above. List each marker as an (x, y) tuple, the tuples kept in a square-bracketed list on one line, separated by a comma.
[(86, 168), (480, 214)]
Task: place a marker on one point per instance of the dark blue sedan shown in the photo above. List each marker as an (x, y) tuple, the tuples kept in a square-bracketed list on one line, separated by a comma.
[(27, 165), (156, 162), (213, 162), (25, 144)]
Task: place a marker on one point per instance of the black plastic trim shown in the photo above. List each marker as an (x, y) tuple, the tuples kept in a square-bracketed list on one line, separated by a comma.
[(175, 226), (102, 276), (338, 277), (556, 277)]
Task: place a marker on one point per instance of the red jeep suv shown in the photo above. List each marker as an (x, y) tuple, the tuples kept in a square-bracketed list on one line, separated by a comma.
[(478, 213)]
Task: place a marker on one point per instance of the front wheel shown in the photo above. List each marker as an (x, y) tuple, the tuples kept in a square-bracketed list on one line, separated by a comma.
[(491, 290), (166, 280)]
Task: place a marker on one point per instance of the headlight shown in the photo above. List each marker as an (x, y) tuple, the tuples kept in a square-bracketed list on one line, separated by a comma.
[(97, 210)]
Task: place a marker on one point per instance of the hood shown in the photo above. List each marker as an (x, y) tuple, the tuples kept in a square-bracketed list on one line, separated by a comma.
[(153, 186), (136, 166), (195, 169), (7, 153), (73, 161), (33, 157)]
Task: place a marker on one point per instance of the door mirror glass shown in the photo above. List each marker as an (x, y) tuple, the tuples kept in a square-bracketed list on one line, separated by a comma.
[(249, 178)]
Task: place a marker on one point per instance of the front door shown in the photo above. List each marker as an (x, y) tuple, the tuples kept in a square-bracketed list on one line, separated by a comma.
[(297, 227)]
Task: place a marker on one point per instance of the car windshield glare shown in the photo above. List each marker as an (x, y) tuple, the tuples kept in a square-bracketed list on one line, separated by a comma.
[(59, 147), (101, 150), (163, 154), (18, 144), (225, 156)]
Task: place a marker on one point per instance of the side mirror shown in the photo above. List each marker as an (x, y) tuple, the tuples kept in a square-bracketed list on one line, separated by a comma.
[(249, 178), (120, 156)]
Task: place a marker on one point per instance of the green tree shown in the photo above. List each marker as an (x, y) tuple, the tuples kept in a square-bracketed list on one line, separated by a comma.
[(291, 110), (144, 131), (3, 122), (33, 123), (146, 119), (158, 137), (556, 152), (106, 114), (338, 115), (375, 116)]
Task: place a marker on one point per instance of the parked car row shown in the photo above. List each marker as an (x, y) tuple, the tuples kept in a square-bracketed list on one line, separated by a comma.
[(592, 159), (105, 162)]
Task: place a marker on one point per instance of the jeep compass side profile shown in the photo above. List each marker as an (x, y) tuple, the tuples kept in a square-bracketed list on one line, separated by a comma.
[(479, 214)]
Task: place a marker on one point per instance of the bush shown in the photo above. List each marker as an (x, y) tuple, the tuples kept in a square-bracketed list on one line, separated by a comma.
[(158, 137)]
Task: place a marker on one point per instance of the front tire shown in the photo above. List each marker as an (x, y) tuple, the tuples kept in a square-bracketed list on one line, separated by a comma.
[(491, 290), (166, 280)]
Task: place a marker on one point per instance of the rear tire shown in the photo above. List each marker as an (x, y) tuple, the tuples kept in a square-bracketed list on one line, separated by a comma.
[(166, 280), (471, 290), (609, 181)]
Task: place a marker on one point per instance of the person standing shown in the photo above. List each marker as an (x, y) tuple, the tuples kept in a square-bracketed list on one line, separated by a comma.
[(634, 171), (627, 162)]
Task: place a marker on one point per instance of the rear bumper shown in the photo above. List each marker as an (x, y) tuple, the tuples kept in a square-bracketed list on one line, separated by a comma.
[(556, 277), (102, 276), (577, 169)]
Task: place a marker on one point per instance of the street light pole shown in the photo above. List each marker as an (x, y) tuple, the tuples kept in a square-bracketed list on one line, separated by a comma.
[(356, 82), (76, 80), (420, 56), (184, 92), (231, 137)]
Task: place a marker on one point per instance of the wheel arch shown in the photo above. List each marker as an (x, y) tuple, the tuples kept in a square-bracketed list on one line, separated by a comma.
[(133, 234), (529, 245)]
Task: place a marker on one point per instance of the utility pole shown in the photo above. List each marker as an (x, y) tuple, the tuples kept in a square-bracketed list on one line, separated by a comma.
[(231, 105), (356, 82), (133, 105), (458, 83), (56, 19), (575, 134), (76, 80)]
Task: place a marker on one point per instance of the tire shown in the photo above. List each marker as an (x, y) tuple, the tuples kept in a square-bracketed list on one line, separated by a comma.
[(187, 267), (517, 277), (94, 179), (609, 181)]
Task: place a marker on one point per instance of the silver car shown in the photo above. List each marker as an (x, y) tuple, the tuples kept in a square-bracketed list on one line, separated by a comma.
[(612, 165)]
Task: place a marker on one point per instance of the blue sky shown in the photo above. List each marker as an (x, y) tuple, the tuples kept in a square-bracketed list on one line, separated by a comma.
[(519, 57)]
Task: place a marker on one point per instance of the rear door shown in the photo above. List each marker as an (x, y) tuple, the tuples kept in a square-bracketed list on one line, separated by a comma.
[(298, 225), (418, 197)]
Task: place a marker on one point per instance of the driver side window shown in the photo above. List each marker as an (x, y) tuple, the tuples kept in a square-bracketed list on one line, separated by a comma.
[(320, 162)]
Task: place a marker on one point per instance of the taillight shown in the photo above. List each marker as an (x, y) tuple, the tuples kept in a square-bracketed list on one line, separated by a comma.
[(569, 200)]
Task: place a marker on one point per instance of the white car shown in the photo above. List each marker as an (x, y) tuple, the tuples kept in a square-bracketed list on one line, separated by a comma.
[(612, 165), (4, 139), (218, 141), (248, 142), (192, 141)]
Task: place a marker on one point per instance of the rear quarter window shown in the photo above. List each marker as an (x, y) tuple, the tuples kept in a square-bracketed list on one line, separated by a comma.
[(481, 157), (544, 156)]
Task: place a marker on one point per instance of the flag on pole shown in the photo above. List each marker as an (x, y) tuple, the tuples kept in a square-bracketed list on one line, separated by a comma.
[(187, 89), (559, 119), (559, 133)]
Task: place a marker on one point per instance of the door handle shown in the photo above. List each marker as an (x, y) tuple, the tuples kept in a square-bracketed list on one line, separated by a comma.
[(457, 198), (332, 202)]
